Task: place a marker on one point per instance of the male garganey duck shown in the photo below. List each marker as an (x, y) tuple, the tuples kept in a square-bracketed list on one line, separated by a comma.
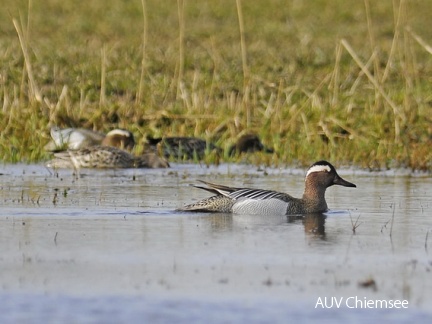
[(319, 177)]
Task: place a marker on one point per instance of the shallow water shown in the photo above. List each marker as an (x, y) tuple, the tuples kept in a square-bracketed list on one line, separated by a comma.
[(109, 244)]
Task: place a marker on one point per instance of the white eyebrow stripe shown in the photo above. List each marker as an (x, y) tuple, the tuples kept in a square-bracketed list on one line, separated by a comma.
[(120, 132), (318, 168)]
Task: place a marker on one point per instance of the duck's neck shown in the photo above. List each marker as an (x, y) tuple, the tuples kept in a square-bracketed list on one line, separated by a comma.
[(315, 196)]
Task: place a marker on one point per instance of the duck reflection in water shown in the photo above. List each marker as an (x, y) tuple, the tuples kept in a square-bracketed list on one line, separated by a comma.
[(314, 224)]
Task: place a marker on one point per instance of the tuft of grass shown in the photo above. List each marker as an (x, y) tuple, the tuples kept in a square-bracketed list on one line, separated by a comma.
[(355, 224), (348, 81)]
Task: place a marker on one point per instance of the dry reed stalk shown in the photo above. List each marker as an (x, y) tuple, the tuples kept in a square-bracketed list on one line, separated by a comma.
[(215, 69), (411, 78), (180, 12), (371, 37), (419, 40), (361, 73), (28, 17), (245, 67), (396, 110), (401, 11), (291, 123), (373, 49), (245, 103), (143, 49), (277, 108), (179, 117), (35, 93), (243, 43), (184, 95), (356, 83), (336, 76), (309, 134), (353, 133), (327, 131), (62, 97), (102, 98), (355, 225)]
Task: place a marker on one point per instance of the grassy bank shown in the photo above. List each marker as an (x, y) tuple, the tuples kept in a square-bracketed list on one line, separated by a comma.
[(344, 80)]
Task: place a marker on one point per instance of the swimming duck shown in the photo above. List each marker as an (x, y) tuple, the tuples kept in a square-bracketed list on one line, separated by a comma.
[(77, 138), (103, 157), (183, 147), (248, 143), (319, 177)]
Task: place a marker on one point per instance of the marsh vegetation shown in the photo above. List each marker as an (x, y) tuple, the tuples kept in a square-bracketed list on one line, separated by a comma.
[(348, 81)]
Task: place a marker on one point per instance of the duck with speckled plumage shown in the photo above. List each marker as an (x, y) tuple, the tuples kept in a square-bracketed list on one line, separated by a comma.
[(319, 177)]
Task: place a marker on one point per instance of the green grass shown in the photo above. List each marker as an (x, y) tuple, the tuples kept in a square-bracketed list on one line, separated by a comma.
[(345, 80)]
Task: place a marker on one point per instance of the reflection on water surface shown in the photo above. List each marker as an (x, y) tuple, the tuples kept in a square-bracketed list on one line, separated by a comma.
[(114, 234)]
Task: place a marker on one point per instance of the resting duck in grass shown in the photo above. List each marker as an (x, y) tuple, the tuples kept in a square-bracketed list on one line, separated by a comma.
[(105, 157), (249, 143), (188, 148), (78, 138)]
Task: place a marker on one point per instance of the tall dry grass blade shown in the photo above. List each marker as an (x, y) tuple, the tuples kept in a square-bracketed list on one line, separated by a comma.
[(28, 17), (243, 43), (33, 86), (401, 11), (309, 134), (181, 18), (356, 83), (371, 37), (396, 110), (353, 133), (62, 97), (419, 40), (143, 49), (102, 98), (293, 118), (245, 66), (336, 76)]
